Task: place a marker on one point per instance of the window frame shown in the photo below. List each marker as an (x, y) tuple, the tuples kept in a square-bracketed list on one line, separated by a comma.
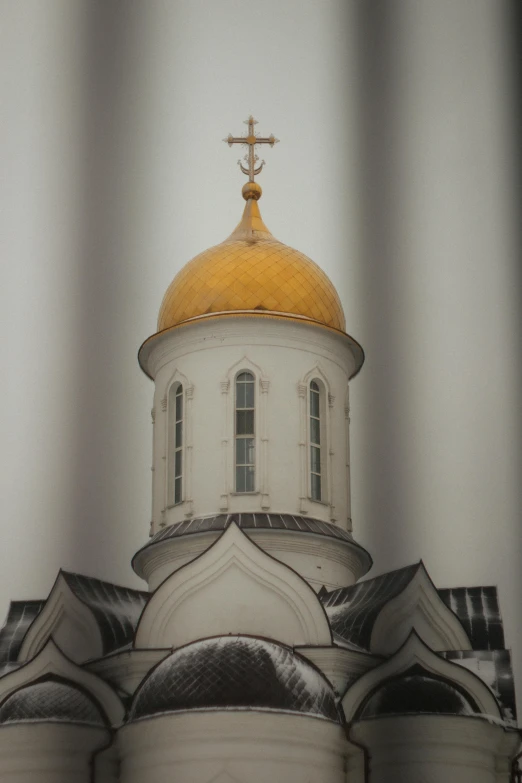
[(244, 436), (176, 444), (322, 445)]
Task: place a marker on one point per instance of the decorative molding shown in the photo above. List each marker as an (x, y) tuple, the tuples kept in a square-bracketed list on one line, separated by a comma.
[(163, 403), (190, 603), (339, 665), (327, 461), (178, 378), (301, 389), (126, 669), (63, 611), (51, 660), (261, 425), (413, 652), (342, 562), (225, 386), (418, 607), (173, 344)]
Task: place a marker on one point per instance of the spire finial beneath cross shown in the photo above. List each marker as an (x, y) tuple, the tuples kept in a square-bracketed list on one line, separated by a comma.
[(253, 190)]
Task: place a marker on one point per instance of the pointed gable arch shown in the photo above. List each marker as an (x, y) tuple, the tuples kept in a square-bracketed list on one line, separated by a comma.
[(415, 652), (50, 661), (87, 618), (317, 372), (418, 607), (176, 377), (69, 621), (233, 587), (245, 364)]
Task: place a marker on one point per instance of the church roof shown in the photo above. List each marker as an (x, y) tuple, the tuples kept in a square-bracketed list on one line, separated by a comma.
[(50, 700), (416, 691), (235, 672), (495, 669), (251, 271), (478, 610), (220, 522), (116, 609), (353, 610), (19, 617)]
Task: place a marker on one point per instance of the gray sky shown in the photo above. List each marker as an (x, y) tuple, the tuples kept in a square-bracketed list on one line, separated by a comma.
[(393, 173)]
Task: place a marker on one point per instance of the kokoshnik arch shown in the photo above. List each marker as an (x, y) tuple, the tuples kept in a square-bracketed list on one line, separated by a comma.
[(256, 653)]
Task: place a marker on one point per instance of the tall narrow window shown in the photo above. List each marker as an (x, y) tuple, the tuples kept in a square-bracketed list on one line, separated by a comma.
[(175, 466), (245, 434), (315, 441)]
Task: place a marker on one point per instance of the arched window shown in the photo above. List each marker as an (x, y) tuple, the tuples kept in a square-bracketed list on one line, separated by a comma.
[(245, 432), (316, 441), (175, 462)]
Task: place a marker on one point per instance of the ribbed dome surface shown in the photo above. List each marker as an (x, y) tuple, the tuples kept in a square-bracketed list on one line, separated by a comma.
[(50, 700), (235, 672), (251, 271)]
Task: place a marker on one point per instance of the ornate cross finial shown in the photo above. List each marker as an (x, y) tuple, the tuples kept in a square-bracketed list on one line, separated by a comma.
[(251, 158)]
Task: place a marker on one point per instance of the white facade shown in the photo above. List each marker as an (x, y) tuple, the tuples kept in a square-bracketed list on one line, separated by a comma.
[(232, 748), (284, 356)]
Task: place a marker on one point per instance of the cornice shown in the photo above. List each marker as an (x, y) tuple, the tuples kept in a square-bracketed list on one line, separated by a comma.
[(174, 343)]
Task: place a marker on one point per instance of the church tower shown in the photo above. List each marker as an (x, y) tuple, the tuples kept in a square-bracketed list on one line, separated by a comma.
[(257, 652), (251, 364)]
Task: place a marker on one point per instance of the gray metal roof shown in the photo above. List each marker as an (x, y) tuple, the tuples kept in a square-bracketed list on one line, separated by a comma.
[(235, 672)]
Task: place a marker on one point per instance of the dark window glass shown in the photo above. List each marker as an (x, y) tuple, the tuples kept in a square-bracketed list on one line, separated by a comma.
[(179, 434), (177, 490), (316, 487), (315, 431), (315, 459), (245, 451), (245, 478), (179, 406), (315, 441), (244, 422), (175, 465), (314, 404)]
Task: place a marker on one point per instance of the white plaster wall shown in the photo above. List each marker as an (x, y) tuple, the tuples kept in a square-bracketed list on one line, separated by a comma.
[(233, 747), (436, 749), (208, 353), (49, 752)]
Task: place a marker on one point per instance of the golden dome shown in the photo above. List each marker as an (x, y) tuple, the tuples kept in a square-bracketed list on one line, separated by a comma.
[(251, 272)]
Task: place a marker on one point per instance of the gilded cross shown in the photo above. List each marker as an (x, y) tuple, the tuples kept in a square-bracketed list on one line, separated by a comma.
[(251, 158)]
